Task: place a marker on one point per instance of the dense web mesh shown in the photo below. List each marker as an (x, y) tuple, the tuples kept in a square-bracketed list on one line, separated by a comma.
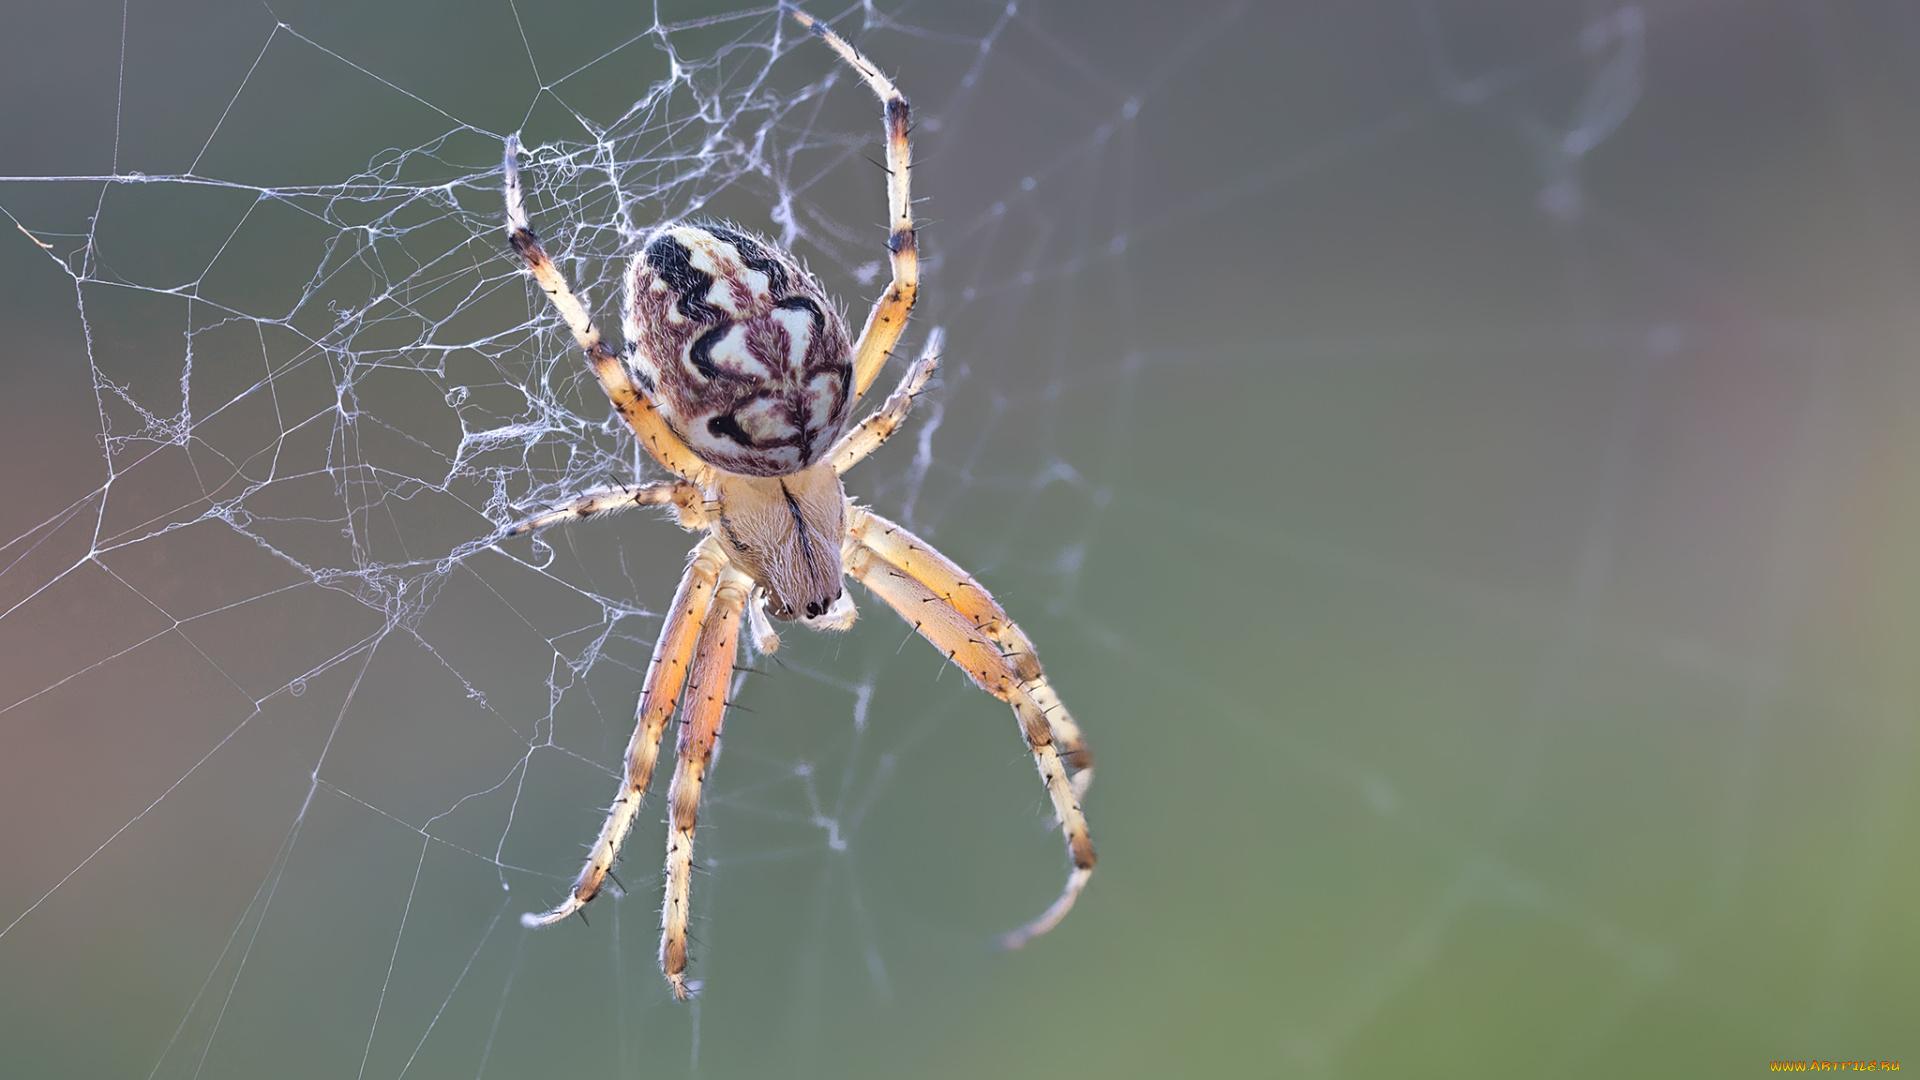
[(1409, 438), (332, 396)]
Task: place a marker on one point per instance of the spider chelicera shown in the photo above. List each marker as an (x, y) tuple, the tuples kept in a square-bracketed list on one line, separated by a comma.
[(740, 380)]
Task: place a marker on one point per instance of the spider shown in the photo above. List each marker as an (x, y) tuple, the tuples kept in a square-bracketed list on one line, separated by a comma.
[(741, 381)]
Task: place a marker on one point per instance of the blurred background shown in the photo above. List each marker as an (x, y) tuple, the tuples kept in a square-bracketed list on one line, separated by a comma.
[(1455, 459)]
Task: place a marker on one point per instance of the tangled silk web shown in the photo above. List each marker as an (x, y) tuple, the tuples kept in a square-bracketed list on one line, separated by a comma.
[(334, 734), (319, 402)]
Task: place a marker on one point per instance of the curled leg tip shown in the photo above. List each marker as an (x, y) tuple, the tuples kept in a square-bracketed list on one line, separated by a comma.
[(1052, 916), (533, 920)]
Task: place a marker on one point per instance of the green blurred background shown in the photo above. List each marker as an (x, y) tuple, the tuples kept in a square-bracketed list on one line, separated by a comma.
[(1455, 459)]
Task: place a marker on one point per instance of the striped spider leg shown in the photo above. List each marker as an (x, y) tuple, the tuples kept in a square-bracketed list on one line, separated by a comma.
[(634, 406), (889, 316), (686, 499), (674, 653), (951, 610), (963, 621)]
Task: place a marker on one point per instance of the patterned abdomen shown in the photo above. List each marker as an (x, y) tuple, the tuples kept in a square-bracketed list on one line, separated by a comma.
[(739, 348)]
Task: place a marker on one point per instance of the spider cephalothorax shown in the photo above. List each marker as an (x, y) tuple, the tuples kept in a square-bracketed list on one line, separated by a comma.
[(741, 383), (785, 533), (739, 348)]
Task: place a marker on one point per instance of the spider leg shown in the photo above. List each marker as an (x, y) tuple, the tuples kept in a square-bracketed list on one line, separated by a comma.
[(889, 315), (963, 621), (700, 719), (688, 502), (627, 397), (919, 560), (658, 694), (876, 429)]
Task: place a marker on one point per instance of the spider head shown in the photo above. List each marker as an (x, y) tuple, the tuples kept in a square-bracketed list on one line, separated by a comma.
[(785, 533)]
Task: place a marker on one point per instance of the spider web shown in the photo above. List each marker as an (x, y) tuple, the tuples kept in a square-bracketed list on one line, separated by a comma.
[(1415, 440)]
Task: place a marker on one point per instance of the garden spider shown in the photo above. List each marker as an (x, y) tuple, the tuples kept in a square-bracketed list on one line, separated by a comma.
[(741, 381)]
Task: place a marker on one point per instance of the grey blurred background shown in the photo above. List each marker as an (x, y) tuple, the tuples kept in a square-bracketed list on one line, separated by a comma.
[(1455, 459)]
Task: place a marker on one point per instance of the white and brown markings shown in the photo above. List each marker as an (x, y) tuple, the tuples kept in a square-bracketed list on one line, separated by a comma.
[(740, 349)]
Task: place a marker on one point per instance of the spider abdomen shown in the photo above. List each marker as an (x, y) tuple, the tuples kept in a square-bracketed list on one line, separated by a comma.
[(739, 348)]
